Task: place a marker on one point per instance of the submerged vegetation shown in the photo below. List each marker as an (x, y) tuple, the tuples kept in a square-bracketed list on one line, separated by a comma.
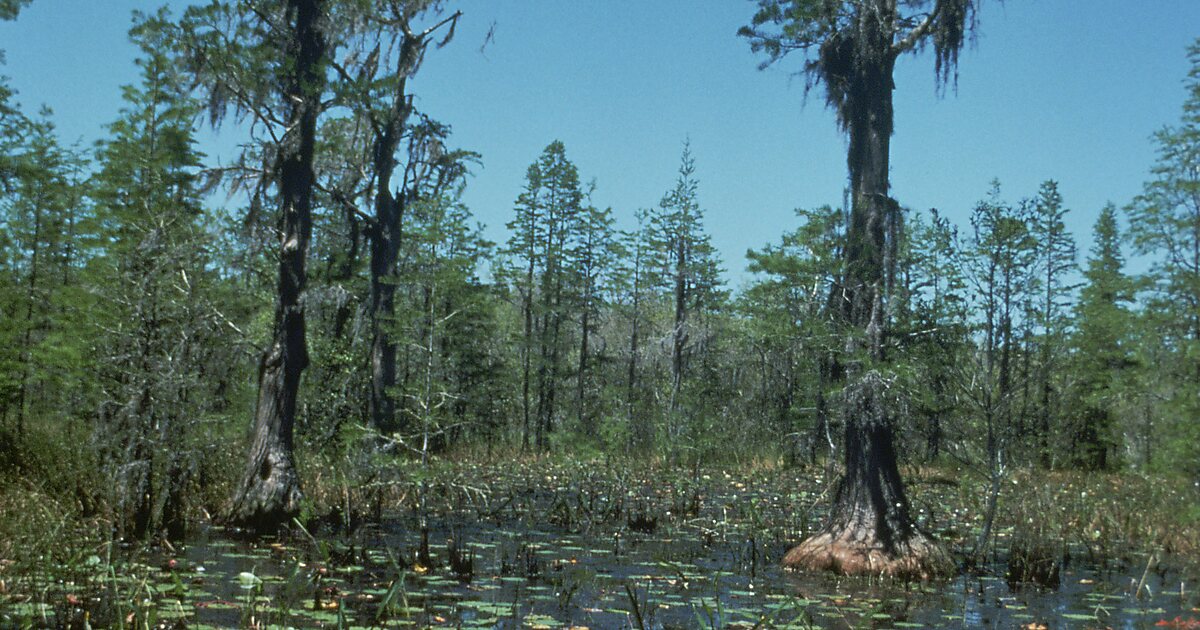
[(583, 425)]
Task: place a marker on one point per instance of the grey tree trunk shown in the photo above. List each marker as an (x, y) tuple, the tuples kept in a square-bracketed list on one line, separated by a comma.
[(269, 493), (527, 356), (386, 232), (640, 429), (679, 333)]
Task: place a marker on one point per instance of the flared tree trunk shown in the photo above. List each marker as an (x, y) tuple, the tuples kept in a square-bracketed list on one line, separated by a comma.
[(870, 530), (269, 493)]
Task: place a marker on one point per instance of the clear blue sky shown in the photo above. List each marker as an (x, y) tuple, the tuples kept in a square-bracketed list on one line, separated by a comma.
[(1062, 89)]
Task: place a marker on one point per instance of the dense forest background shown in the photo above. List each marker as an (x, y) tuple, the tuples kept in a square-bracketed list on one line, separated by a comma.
[(139, 290)]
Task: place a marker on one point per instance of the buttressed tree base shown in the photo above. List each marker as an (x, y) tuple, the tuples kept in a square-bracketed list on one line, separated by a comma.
[(858, 551), (870, 529)]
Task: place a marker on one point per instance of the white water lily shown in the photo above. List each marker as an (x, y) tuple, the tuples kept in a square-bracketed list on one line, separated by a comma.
[(248, 580)]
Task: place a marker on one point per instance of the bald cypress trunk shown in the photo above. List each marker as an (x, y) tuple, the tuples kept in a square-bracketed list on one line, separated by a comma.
[(851, 49), (269, 493), (870, 529)]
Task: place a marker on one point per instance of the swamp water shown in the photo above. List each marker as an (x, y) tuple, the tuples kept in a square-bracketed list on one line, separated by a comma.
[(705, 556)]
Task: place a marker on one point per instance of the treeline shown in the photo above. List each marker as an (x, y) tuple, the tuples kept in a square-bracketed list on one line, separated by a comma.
[(139, 289)]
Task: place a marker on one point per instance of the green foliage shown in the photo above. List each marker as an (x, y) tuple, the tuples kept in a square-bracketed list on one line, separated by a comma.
[(132, 302), (10, 8), (844, 41), (549, 212), (789, 322), (164, 344), (691, 273), (1164, 223), (1055, 261), (1000, 273), (1102, 348), (932, 327), (689, 262), (446, 319), (42, 366)]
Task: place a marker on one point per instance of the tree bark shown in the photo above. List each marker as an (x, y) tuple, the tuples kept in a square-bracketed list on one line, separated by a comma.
[(640, 429), (586, 420), (386, 234), (385, 243), (679, 332), (269, 493), (527, 355), (870, 530)]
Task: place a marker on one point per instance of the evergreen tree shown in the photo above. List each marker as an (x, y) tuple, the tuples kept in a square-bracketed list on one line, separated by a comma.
[(10, 117), (1101, 348), (44, 306), (12, 122), (934, 332), (1055, 259), (444, 317), (592, 255), (162, 347), (523, 247), (691, 272), (1164, 223), (548, 214), (634, 285), (1000, 267), (788, 305), (999, 260)]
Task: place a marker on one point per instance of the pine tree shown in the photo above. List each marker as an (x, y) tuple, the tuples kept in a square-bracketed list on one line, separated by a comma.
[(1055, 260), (935, 335), (691, 272), (41, 213), (1000, 261), (10, 117), (634, 284), (1101, 348), (548, 214), (1000, 272), (1164, 223), (789, 306), (12, 122), (592, 254), (523, 247), (441, 316)]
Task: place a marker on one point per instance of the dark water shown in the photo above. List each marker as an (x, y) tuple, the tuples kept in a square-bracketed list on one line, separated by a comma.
[(591, 551), (547, 577)]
